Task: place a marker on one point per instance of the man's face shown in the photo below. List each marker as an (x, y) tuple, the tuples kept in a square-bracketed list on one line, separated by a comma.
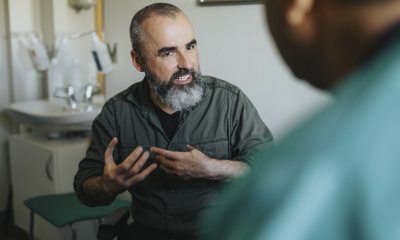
[(171, 61)]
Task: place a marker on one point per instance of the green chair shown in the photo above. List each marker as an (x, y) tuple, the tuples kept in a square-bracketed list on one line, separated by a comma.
[(65, 209)]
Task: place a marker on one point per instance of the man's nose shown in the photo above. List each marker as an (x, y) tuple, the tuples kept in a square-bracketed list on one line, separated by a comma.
[(184, 61)]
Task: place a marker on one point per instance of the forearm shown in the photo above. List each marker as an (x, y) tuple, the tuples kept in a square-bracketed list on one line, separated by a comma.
[(96, 191), (226, 169)]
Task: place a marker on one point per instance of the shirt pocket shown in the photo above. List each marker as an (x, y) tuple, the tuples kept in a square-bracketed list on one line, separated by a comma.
[(217, 148)]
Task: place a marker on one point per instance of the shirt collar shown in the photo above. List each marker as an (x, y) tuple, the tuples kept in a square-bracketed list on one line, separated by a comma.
[(382, 54), (391, 35)]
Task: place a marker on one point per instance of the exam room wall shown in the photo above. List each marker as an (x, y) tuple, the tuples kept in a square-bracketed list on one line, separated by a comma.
[(235, 45)]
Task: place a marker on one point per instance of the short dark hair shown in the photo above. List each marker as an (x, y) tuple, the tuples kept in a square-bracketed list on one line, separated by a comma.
[(136, 29)]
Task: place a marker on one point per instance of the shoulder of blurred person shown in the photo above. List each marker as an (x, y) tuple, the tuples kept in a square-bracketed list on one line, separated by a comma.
[(334, 176)]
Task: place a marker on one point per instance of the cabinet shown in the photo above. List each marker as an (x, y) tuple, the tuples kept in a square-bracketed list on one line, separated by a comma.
[(41, 166)]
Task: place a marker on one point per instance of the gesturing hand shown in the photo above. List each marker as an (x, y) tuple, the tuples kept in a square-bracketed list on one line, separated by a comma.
[(187, 165), (117, 178)]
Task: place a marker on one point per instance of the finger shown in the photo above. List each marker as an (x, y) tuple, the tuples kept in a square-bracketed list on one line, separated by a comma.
[(108, 155), (168, 170), (142, 175), (172, 167), (173, 171), (166, 162), (137, 166), (130, 160), (190, 147), (166, 153)]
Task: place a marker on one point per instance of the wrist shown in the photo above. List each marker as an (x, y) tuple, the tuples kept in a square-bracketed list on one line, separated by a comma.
[(213, 168), (107, 188), (226, 169), (96, 192)]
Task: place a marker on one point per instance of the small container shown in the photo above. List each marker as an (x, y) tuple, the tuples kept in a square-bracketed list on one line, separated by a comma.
[(101, 55), (38, 54), (55, 78)]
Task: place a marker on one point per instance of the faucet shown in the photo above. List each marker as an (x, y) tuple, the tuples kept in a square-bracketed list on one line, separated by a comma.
[(89, 91), (69, 94)]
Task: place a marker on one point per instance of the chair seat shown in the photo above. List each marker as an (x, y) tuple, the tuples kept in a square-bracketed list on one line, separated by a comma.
[(63, 209)]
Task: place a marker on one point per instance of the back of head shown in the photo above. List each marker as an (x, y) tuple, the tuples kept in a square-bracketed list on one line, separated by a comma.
[(324, 40), (136, 30)]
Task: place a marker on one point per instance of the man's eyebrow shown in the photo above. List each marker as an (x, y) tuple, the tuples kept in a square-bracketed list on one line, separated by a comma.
[(165, 49), (193, 42)]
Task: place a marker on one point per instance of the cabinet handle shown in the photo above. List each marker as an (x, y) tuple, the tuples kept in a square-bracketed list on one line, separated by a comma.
[(47, 168)]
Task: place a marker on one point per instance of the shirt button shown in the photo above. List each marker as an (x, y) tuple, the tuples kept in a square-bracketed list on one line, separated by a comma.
[(170, 217), (173, 191)]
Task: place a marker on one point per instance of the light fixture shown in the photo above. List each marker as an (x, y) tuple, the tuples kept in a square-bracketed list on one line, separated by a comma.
[(81, 4)]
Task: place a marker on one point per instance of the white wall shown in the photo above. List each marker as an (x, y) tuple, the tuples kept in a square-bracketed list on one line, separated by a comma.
[(68, 21), (236, 46), (24, 18)]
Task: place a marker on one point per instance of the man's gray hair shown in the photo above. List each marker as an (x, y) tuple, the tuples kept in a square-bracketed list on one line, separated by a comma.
[(136, 29)]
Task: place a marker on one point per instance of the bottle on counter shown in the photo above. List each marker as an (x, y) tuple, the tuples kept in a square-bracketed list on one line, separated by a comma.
[(101, 55), (38, 53)]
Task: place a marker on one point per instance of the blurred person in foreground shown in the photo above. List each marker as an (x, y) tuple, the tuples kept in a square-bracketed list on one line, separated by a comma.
[(336, 176), (172, 139)]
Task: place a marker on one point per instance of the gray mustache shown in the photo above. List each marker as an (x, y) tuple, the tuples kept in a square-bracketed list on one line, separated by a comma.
[(181, 73)]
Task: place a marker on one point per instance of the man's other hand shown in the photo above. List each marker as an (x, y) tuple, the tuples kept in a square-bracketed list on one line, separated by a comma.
[(187, 165)]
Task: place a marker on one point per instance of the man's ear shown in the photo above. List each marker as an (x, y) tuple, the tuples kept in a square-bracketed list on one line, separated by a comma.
[(299, 11), (301, 18), (137, 61)]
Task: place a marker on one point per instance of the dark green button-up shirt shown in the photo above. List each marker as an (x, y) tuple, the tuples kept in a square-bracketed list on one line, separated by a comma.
[(224, 125)]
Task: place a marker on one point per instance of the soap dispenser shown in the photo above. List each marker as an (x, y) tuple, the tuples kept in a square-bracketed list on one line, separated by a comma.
[(101, 55), (38, 53)]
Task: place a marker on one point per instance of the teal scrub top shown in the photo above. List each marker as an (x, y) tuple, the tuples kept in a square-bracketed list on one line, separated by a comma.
[(336, 177)]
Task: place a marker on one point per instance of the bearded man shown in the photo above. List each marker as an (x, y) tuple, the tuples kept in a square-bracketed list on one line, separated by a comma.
[(172, 139)]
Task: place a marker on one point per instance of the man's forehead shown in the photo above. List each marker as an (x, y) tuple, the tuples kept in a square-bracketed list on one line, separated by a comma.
[(155, 21), (164, 29)]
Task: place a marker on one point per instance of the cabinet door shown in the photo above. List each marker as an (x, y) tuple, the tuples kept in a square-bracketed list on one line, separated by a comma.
[(67, 162), (40, 166), (32, 174)]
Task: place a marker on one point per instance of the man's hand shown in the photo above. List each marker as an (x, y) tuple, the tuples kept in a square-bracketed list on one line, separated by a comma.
[(187, 165), (117, 178)]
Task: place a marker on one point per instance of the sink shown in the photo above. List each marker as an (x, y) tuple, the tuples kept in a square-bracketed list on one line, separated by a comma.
[(49, 116)]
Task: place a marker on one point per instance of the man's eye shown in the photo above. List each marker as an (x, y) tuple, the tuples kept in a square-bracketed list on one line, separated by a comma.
[(167, 54), (190, 46)]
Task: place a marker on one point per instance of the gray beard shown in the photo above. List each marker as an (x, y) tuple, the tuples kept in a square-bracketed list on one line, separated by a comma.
[(175, 96)]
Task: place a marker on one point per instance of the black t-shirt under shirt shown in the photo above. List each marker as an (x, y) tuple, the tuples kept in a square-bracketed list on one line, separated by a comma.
[(169, 122)]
